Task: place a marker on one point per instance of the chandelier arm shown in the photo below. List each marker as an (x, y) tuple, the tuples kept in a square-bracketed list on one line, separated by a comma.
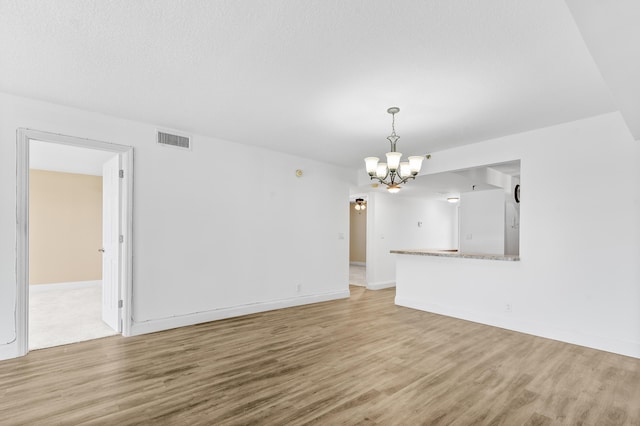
[(392, 181), (382, 181), (405, 180)]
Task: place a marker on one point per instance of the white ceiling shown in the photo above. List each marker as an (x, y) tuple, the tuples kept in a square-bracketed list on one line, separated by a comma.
[(611, 30), (314, 77)]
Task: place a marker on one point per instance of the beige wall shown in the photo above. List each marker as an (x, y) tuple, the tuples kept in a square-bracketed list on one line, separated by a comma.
[(65, 227), (357, 235)]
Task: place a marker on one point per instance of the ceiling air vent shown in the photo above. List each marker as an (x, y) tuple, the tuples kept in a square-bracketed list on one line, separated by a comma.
[(176, 141)]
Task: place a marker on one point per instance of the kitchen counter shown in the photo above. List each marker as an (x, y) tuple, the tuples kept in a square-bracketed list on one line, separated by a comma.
[(457, 254)]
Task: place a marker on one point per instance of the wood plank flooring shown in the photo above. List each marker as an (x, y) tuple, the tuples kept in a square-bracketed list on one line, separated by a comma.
[(361, 361)]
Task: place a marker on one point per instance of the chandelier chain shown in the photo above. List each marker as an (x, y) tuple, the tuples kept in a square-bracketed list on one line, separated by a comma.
[(393, 124)]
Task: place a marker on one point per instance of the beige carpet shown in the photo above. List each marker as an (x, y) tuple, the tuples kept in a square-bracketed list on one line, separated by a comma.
[(63, 314)]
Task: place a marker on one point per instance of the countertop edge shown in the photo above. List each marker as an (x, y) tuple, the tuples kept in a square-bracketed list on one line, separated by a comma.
[(438, 253)]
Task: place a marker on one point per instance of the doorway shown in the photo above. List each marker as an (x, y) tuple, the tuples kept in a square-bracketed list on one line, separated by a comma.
[(114, 288), (357, 240)]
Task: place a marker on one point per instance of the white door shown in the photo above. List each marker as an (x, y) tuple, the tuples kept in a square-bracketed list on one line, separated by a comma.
[(111, 243)]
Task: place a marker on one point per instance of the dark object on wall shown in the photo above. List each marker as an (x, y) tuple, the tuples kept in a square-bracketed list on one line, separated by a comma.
[(516, 193)]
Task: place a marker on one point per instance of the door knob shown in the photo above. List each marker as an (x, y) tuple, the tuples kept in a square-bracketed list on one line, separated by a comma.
[(101, 250)]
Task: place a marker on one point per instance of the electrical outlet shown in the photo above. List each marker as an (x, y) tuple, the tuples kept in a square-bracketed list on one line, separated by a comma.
[(298, 288), (508, 308)]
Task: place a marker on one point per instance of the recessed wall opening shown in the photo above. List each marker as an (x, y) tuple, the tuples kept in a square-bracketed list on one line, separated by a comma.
[(488, 199)]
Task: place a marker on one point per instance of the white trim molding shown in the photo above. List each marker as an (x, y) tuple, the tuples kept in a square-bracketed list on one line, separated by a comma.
[(380, 285), (22, 242), (600, 342), (154, 325)]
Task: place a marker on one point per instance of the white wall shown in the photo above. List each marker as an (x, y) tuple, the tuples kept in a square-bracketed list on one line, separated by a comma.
[(207, 239), (482, 221), (392, 223), (579, 275)]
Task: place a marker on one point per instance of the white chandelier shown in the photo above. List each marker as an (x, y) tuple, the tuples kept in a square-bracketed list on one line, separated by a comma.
[(394, 172)]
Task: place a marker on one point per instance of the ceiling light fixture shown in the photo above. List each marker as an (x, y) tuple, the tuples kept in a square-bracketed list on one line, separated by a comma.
[(453, 199), (394, 172), (360, 204)]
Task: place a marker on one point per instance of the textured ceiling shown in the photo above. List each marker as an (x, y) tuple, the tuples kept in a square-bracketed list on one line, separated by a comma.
[(611, 30), (312, 77)]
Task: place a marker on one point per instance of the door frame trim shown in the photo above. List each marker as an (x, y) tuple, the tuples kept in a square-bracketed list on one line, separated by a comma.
[(22, 226)]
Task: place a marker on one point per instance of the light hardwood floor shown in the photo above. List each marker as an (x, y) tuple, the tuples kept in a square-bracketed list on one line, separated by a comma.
[(356, 361)]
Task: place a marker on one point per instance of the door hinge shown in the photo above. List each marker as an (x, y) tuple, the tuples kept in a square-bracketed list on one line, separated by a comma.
[(121, 173), (120, 304), (122, 238)]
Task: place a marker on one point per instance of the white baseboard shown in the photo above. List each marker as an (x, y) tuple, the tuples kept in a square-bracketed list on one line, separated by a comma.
[(358, 263), (152, 326), (602, 343), (63, 286), (380, 285)]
